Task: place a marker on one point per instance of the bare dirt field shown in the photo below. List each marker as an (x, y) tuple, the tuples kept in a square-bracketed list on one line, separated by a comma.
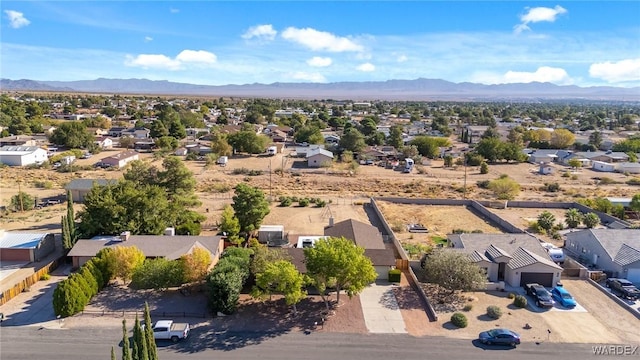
[(440, 220)]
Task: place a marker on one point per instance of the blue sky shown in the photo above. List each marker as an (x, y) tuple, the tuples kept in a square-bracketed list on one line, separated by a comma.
[(582, 43)]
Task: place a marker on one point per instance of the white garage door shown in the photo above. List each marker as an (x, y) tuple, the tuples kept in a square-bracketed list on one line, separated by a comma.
[(633, 275)]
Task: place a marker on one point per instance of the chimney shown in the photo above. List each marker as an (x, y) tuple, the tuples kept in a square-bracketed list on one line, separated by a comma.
[(124, 236), (170, 231), (331, 221)]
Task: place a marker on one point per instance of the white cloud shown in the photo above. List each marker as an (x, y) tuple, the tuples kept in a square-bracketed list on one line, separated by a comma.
[(197, 56), (402, 58), (305, 76), (318, 61), (265, 32), (613, 72), (148, 39), (159, 61), (543, 74), (152, 61), (16, 19), (366, 67), (320, 40), (538, 14), (174, 10)]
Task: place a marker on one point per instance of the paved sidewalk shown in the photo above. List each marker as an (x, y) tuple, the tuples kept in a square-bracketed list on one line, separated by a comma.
[(380, 308)]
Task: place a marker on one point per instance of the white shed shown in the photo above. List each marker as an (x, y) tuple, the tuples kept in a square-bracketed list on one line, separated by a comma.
[(22, 155), (603, 166), (317, 157)]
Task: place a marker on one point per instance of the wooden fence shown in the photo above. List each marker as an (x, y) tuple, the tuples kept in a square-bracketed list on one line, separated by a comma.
[(28, 282)]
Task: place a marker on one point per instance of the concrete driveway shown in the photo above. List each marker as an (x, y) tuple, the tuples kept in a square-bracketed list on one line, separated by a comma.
[(380, 309)]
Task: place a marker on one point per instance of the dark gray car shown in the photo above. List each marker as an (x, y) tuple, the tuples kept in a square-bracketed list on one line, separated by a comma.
[(499, 336)]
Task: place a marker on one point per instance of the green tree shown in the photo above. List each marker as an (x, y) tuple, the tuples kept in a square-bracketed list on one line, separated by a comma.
[(546, 220), (595, 139), (247, 141), (395, 137), (69, 228), (152, 349), (167, 143), (340, 262), (591, 220), (250, 207), (158, 274), (113, 354), (634, 205), (484, 168), (220, 146), (309, 134), (429, 146), (229, 223), (505, 188), (574, 163), (22, 202), (352, 140), (72, 134), (127, 142), (264, 255), (490, 148), (126, 347), (178, 181), (158, 130), (281, 277), (453, 271), (140, 349), (573, 218)]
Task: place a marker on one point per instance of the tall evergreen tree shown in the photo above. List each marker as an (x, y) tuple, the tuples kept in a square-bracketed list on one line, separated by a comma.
[(126, 352), (113, 354), (152, 350), (69, 232), (139, 342)]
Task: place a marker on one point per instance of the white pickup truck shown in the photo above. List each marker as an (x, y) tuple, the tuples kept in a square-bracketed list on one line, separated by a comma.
[(168, 330)]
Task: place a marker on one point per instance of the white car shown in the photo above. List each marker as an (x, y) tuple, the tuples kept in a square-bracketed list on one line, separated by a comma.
[(556, 254)]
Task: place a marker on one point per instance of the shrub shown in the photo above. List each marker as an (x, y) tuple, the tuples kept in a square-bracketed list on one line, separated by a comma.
[(574, 177), (484, 168), (566, 174), (320, 203), (304, 202), (158, 274), (394, 275), (459, 319), (607, 181), (483, 184), (467, 307), (505, 188), (43, 184), (633, 181), (285, 201), (520, 301), (45, 277), (511, 296), (494, 312), (551, 187)]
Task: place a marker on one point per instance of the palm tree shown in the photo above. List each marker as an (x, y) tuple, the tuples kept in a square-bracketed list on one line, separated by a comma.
[(573, 218)]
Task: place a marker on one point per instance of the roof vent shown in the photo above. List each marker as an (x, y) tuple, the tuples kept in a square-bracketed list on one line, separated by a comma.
[(125, 235)]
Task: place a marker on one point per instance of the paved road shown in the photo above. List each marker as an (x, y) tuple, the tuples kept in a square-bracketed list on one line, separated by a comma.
[(31, 343)]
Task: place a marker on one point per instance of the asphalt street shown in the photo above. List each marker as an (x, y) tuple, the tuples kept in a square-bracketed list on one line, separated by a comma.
[(69, 344)]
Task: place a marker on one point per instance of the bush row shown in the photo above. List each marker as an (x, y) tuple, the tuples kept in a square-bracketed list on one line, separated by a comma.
[(74, 293), (286, 201)]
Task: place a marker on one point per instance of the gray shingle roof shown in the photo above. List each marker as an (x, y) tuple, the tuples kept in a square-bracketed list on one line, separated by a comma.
[(170, 247), (613, 241), (362, 234), (627, 255), (495, 252), (87, 184), (478, 257), (523, 257)]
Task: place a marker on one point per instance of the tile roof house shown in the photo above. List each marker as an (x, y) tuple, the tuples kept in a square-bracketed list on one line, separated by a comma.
[(25, 247), (516, 259), (616, 251), (153, 246)]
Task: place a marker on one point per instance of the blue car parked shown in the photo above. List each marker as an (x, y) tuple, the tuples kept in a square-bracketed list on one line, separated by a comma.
[(563, 297)]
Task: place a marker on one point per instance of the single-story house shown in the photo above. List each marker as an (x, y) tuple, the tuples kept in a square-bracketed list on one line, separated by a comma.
[(318, 156), (587, 157), (615, 251), (368, 237), (104, 142), (22, 155), (153, 246), (628, 167), (516, 259), (603, 166), (536, 156), (121, 159), (18, 140), (26, 247), (79, 188), (546, 169), (116, 131), (137, 133)]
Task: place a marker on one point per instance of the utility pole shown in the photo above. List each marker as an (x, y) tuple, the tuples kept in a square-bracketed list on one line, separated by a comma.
[(270, 183), (20, 197), (464, 194)]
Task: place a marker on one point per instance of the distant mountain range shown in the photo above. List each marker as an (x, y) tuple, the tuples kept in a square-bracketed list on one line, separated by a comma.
[(415, 90)]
